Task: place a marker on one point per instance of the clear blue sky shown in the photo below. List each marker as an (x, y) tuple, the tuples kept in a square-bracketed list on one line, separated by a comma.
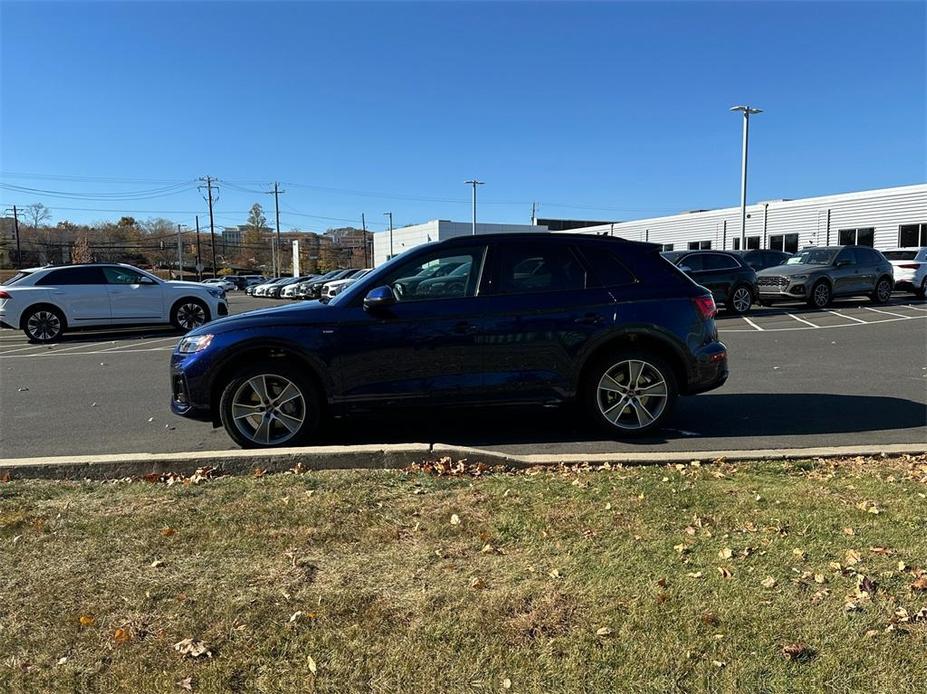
[(602, 111)]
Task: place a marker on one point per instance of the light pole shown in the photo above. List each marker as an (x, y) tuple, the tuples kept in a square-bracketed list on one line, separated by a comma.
[(747, 111), (179, 252), (474, 183), (390, 215)]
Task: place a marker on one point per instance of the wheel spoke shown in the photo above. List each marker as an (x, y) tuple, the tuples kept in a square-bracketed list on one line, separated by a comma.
[(634, 373), (265, 428), (646, 390), (259, 386), (291, 392), (611, 385), (291, 423), (620, 406), (643, 415)]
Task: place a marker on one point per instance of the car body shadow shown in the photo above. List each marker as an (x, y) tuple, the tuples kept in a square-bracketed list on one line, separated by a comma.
[(710, 416)]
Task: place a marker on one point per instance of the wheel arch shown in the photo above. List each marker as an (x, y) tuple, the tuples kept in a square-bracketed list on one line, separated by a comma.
[(43, 304), (638, 339), (202, 302), (264, 351)]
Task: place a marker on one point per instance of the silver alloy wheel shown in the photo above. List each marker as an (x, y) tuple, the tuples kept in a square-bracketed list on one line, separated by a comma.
[(821, 295), (190, 315), (632, 394), (742, 300), (884, 290), (268, 409), (43, 325)]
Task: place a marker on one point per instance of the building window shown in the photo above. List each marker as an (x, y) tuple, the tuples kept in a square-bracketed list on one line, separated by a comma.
[(699, 245), (910, 235), (784, 242), (753, 243), (864, 236), (666, 247)]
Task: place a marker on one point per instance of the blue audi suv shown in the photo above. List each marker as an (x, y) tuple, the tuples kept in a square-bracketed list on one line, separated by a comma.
[(518, 319)]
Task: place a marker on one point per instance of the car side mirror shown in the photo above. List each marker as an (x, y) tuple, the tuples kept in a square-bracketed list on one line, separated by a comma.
[(843, 263), (379, 298), (146, 280)]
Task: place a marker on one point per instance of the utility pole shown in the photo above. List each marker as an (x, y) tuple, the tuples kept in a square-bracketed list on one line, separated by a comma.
[(212, 228), (747, 111), (390, 215), (199, 257), (277, 255), (19, 254), (364, 236), (474, 183), (179, 252), (534, 216)]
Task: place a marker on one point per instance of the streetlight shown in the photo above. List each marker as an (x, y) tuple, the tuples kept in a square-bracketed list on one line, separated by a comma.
[(747, 111), (474, 183), (390, 215)]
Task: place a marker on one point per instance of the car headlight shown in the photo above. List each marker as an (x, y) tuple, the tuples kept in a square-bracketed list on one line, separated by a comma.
[(799, 277), (214, 291), (194, 343)]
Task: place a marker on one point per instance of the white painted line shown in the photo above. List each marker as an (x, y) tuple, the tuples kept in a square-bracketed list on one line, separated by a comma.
[(83, 345), (23, 349), (887, 313), (801, 320), (128, 347), (750, 322), (84, 354), (851, 318), (916, 308), (823, 327)]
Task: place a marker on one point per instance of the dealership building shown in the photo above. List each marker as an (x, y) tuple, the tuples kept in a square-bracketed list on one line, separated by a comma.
[(884, 218)]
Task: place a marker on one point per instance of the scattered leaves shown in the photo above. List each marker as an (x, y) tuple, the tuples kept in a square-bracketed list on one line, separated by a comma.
[(86, 620), (798, 652), (768, 582), (455, 519), (603, 631), (192, 648)]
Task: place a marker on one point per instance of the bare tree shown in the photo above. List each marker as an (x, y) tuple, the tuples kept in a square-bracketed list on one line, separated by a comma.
[(80, 252), (36, 214)]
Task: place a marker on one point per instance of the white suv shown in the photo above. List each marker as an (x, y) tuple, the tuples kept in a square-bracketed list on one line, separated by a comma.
[(910, 268), (44, 302)]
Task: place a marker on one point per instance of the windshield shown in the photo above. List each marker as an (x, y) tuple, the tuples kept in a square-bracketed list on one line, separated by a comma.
[(815, 256), (900, 255)]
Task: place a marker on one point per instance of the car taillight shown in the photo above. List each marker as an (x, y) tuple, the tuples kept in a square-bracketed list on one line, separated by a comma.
[(705, 305), (4, 295), (911, 266)]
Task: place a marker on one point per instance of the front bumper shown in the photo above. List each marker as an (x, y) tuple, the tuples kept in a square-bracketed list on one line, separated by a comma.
[(782, 288)]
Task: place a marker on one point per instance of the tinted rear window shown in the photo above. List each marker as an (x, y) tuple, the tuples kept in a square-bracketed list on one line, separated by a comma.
[(716, 261), (15, 278), (607, 268), (542, 267), (900, 255), (73, 275)]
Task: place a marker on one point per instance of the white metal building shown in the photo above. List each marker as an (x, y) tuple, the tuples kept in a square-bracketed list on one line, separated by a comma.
[(884, 218), (436, 230)]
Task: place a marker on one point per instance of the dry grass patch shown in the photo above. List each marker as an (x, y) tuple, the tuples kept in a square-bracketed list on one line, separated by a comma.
[(805, 576)]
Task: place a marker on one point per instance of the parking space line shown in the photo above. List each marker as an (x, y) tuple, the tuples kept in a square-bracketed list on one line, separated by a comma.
[(750, 322), (916, 308), (83, 345), (801, 320), (127, 347), (84, 354), (887, 313), (22, 349), (858, 320)]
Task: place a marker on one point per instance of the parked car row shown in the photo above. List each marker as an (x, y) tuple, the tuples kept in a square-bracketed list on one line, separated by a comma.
[(816, 276), (326, 286), (235, 282)]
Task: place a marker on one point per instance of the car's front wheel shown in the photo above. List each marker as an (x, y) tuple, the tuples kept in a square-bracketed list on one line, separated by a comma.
[(188, 314), (921, 292), (821, 295), (43, 324), (268, 405), (630, 393), (740, 300)]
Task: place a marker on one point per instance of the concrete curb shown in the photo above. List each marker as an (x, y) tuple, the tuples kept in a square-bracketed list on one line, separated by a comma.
[(387, 456)]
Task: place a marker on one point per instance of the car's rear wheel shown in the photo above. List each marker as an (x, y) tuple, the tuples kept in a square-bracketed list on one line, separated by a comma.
[(188, 314), (269, 405), (741, 300), (922, 292), (43, 324), (821, 295), (883, 291), (630, 393)]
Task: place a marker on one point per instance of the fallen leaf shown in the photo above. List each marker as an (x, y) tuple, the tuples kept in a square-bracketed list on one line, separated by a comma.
[(506, 683), (800, 553), (719, 663), (711, 619), (186, 683), (661, 582), (167, 532), (156, 563), (603, 631), (192, 648), (864, 584), (455, 519), (725, 572), (122, 635), (820, 578), (86, 620), (871, 633), (662, 597), (477, 583), (311, 663), (881, 551), (798, 652), (258, 472), (62, 660), (555, 573), (849, 531), (768, 582), (920, 583), (852, 557), (725, 553), (694, 574)]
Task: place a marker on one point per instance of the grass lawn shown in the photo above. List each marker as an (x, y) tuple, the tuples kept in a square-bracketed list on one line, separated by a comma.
[(778, 577)]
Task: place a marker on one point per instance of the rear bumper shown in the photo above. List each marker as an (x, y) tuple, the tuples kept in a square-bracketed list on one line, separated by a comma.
[(709, 369)]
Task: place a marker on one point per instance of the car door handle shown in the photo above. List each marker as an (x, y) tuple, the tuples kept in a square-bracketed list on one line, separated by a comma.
[(589, 319), (465, 328)]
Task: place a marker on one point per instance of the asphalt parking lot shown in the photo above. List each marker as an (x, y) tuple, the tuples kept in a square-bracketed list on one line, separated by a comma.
[(854, 374)]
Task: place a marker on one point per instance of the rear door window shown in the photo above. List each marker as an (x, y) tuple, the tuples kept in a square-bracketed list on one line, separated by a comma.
[(607, 268), (716, 261), (691, 263), (537, 267)]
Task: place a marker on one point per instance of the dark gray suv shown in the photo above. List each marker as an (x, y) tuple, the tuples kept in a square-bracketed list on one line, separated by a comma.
[(817, 275)]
